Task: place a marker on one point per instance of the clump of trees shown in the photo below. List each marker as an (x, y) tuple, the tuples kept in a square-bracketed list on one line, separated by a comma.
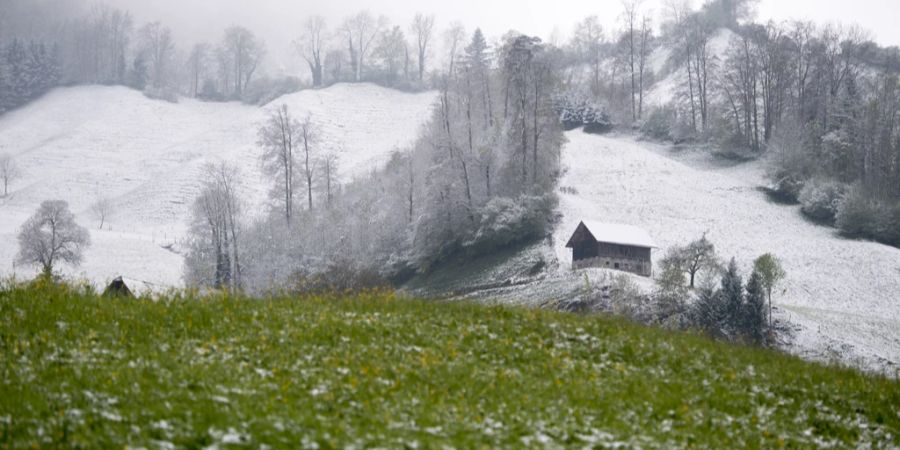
[(480, 176), (52, 237), (720, 303)]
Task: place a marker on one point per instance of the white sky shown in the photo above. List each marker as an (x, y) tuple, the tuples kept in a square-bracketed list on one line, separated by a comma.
[(278, 21)]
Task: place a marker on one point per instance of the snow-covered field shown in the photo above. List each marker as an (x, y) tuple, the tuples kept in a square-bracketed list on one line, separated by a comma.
[(842, 296), (76, 144)]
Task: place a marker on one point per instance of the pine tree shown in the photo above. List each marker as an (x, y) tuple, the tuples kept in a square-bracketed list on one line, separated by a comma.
[(708, 312), (754, 316), (733, 299)]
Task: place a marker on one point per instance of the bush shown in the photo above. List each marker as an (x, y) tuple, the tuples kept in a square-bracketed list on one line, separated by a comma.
[(659, 124), (576, 110), (821, 199), (857, 215), (504, 221), (887, 225), (340, 276), (596, 120)]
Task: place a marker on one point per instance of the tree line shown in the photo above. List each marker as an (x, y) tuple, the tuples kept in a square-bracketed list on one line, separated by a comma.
[(41, 48)]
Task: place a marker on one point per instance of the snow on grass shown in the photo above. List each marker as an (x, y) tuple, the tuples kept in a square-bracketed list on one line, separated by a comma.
[(146, 157), (842, 294)]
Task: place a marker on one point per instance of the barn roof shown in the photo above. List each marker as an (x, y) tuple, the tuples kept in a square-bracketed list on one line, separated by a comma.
[(613, 233)]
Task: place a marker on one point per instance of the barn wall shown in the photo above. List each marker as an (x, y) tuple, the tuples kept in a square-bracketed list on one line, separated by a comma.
[(635, 260)]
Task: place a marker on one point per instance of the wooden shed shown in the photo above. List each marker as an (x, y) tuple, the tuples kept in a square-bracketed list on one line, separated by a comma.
[(613, 246)]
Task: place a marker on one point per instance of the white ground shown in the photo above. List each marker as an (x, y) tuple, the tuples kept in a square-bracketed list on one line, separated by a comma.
[(77, 143), (843, 296)]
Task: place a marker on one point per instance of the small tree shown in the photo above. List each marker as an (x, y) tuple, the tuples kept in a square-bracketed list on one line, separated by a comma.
[(771, 273), (733, 299), (754, 315), (51, 236), (101, 210), (698, 255), (9, 172)]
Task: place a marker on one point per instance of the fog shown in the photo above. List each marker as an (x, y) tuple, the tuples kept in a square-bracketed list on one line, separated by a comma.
[(278, 21)]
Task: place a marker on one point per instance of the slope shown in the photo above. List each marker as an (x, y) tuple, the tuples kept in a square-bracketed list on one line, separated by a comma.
[(377, 371), (840, 294), (79, 143)]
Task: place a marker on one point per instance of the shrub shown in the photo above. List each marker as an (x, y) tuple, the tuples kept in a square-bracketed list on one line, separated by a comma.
[(820, 199), (857, 214), (596, 120), (659, 124), (887, 225), (339, 276), (504, 221)]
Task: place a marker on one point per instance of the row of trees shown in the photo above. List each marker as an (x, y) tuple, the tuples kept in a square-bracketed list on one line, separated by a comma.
[(104, 45), (480, 176)]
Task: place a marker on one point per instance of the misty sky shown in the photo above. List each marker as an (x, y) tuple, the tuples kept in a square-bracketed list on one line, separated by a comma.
[(277, 21)]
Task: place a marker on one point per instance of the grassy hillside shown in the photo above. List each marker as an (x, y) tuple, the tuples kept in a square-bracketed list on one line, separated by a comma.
[(373, 370)]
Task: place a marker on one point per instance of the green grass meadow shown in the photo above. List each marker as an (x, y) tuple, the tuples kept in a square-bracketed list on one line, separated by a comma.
[(373, 370)]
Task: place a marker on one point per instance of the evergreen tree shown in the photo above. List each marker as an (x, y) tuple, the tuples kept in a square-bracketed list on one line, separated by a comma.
[(754, 315), (732, 299), (708, 312)]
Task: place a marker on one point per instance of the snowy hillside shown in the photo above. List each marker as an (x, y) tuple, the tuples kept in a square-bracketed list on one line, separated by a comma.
[(670, 79), (76, 144), (840, 294)]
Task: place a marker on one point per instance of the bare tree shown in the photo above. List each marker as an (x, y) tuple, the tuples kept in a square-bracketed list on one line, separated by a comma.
[(587, 42), (453, 40), (310, 139), (197, 64), (101, 209), (51, 236), (423, 28), (329, 163), (361, 30), (645, 48), (246, 52), (391, 50), (311, 44), (9, 172), (630, 17), (158, 48), (278, 138)]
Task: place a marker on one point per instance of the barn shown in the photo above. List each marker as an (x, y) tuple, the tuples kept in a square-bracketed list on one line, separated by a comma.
[(619, 247)]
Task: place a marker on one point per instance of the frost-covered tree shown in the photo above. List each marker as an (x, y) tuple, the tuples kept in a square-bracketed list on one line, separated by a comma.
[(158, 48), (311, 46), (361, 30), (9, 171), (422, 29), (697, 256), (309, 139), (51, 237), (280, 138), (391, 51), (215, 244), (101, 209), (243, 53)]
